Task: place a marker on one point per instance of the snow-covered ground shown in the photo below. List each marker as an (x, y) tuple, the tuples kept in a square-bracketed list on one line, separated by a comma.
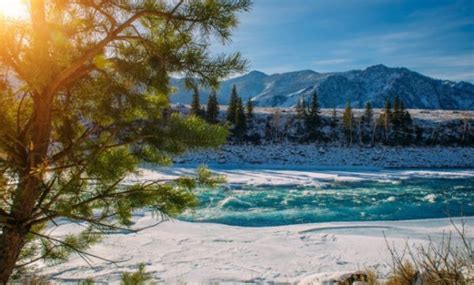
[(195, 253), (333, 156), (177, 252)]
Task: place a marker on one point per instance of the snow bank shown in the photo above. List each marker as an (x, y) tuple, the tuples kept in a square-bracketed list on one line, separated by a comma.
[(194, 253)]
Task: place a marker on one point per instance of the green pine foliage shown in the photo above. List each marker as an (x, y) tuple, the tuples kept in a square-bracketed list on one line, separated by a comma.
[(249, 109), (240, 127), (140, 277), (366, 125), (313, 118), (397, 119), (396, 124), (386, 118), (368, 117), (334, 124), (89, 104), (348, 123), (301, 109), (301, 113), (212, 110), (196, 108), (233, 105)]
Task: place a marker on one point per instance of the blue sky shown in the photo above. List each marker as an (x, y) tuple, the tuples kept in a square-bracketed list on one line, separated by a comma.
[(433, 37)]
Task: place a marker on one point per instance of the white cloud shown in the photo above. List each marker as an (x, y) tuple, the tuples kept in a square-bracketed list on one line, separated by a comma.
[(333, 61)]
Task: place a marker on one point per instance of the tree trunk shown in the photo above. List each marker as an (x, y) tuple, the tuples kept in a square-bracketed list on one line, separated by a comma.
[(30, 177), (29, 188), (12, 241)]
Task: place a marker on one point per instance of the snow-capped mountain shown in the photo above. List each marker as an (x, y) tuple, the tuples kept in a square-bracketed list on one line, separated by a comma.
[(373, 84)]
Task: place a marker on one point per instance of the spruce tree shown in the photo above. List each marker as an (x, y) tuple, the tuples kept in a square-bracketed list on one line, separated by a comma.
[(348, 122), (92, 80), (387, 119), (240, 128), (301, 118), (407, 126), (196, 104), (368, 115), (334, 124), (313, 118), (301, 109), (233, 105), (250, 114), (212, 108), (397, 120), (367, 123), (334, 118)]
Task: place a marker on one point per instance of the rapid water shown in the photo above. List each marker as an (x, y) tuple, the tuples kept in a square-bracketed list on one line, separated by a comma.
[(329, 201)]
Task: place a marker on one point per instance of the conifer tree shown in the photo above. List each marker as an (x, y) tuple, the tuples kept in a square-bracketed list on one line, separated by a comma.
[(196, 104), (368, 115), (334, 118), (240, 128), (233, 105), (397, 119), (313, 118), (367, 123), (301, 117), (386, 119), (348, 122), (92, 80), (301, 109), (334, 124), (407, 125), (250, 114), (212, 108)]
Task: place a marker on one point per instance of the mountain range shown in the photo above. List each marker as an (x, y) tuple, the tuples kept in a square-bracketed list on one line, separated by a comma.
[(374, 84)]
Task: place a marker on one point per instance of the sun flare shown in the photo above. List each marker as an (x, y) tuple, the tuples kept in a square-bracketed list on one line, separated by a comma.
[(13, 8)]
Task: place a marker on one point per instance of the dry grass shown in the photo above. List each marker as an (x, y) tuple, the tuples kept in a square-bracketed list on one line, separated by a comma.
[(442, 262)]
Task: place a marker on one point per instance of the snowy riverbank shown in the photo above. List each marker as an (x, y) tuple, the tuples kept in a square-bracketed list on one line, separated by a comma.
[(332, 156), (178, 252)]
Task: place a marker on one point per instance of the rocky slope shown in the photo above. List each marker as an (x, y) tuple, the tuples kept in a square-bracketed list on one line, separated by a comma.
[(374, 84)]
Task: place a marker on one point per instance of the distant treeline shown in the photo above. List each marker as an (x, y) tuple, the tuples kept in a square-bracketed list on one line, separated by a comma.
[(393, 126)]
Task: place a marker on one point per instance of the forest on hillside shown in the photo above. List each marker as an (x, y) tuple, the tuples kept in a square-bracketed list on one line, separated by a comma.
[(393, 125)]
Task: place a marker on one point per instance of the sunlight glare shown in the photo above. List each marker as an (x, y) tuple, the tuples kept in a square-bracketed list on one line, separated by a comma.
[(13, 8)]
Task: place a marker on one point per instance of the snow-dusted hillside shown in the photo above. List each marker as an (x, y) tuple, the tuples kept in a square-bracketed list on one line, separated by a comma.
[(374, 84)]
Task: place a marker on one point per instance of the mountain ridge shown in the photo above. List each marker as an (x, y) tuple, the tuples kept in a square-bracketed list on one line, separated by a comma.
[(373, 84)]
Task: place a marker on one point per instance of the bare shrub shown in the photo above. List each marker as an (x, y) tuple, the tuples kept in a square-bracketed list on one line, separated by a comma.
[(444, 261)]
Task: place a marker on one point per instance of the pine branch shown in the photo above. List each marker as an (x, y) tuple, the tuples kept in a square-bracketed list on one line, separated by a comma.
[(77, 250)]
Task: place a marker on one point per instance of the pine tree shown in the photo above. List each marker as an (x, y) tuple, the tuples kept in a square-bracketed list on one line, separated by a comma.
[(368, 115), (313, 118), (348, 122), (301, 109), (92, 104), (334, 119), (301, 118), (212, 108), (334, 124), (367, 123), (250, 114), (387, 119), (233, 105), (240, 128), (196, 104), (407, 126), (397, 119)]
